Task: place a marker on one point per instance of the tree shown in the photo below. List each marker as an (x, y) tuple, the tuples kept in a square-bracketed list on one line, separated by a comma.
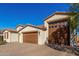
[(73, 22)]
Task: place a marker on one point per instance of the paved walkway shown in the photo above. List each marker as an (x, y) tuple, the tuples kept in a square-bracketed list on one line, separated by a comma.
[(25, 49)]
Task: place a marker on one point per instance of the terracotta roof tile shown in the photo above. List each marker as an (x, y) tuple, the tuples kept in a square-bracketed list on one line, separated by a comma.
[(41, 26), (12, 30)]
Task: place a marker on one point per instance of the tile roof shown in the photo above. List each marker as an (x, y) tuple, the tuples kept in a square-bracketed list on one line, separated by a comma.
[(12, 30), (39, 27)]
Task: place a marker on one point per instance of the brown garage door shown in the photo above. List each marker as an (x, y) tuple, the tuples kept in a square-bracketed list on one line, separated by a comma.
[(30, 37)]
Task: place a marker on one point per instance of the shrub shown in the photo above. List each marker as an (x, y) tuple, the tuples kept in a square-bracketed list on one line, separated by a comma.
[(1, 38), (2, 42)]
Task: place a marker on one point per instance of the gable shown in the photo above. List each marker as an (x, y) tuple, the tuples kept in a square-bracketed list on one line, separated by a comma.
[(5, 31), (18, 28), (29, 28), (56, 17)]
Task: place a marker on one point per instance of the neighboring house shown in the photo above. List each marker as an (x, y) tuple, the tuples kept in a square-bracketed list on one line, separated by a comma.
[(10, 35), (1, 33), (55, 30)]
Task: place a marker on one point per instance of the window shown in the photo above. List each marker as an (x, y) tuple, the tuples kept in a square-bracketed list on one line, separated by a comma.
[(49, 26), (52, 26), (6, 35), (55, 26)]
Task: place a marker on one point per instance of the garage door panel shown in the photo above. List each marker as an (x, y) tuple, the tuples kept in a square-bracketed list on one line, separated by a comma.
[(31, 37)]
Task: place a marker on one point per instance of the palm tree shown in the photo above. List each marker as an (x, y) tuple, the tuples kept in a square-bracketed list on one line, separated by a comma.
[(73, 22)]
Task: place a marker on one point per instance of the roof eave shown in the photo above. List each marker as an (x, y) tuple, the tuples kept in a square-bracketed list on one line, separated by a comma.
[(34, 27), (59, 13)]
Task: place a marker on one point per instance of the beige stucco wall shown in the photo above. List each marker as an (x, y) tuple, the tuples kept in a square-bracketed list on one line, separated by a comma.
[(41, 36), (7, 40), (55, 17), (20, 37), (47, 28)]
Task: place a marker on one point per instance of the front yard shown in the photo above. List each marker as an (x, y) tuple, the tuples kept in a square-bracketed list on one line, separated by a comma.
[(26, 49)]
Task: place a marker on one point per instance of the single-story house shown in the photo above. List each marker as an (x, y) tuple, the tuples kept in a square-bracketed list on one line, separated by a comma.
[(55, 30), (10, 35), (26, 34)]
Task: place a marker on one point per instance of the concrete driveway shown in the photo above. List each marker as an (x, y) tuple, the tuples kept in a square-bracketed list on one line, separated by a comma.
[(26, 49)]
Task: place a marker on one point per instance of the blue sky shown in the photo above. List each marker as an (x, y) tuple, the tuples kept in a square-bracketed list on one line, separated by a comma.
[(13, 14)]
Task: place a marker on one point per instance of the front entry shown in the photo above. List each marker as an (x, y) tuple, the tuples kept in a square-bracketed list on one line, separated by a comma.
[(30, 37), (58, 34)]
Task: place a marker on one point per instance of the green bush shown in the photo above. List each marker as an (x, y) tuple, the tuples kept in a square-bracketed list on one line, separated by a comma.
[(2, 41), (1, 38)]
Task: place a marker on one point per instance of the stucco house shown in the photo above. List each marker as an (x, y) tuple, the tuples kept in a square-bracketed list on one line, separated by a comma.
[(55, 30), (26, 34)]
